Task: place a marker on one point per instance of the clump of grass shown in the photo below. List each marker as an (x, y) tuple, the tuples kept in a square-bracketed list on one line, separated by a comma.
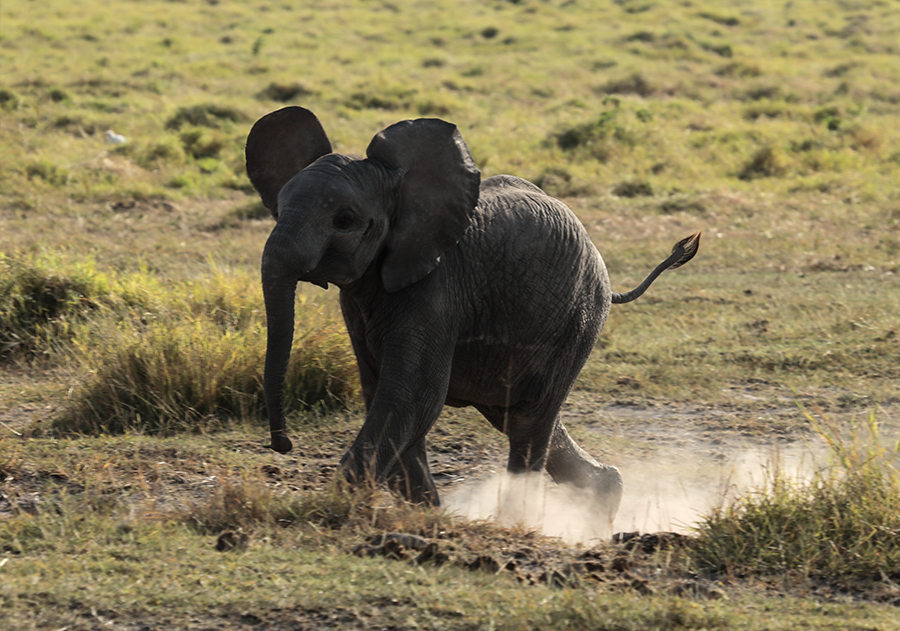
[(156, 154), (175, 376), (634, 83), (633, 188), (387, 98), (41, 299), (9, 100), (201, 143), (765, 162), (48, 172), (598, 137), (841, 526), (206, 115), (284, 92), (244, 502)]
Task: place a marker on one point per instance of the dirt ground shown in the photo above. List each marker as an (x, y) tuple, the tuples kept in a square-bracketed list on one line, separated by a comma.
[(677, 460)]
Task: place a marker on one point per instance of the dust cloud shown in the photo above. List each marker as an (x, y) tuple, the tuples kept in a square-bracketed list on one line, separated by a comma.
[(532, 501), (669, 493)]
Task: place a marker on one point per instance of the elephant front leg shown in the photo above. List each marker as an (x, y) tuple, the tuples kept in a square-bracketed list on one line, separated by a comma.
[(411, 477), (390, 447)]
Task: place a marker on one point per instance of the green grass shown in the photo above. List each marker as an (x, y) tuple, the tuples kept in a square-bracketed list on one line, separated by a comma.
[(159, 358), (129, 299), (780, 99), (840, 526)]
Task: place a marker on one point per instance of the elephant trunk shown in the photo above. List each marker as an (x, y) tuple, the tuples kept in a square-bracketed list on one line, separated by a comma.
[(280, 337), (279, 287)]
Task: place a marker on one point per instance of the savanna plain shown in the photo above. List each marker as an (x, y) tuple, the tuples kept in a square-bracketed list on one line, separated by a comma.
[(136, 490)]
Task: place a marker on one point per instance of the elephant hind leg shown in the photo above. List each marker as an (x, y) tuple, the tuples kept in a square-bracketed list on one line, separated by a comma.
[(567, 463), (528, 431)]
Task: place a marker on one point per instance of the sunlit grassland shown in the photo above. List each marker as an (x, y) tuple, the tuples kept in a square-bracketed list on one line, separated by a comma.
[(825, 338), (770, 127), (686, 98), (130, 302), (159, 357)]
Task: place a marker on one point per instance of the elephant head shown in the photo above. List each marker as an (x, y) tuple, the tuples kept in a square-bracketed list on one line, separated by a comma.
[(389, 215)]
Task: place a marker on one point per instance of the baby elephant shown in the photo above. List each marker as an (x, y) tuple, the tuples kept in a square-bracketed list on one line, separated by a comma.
[(454, 290)]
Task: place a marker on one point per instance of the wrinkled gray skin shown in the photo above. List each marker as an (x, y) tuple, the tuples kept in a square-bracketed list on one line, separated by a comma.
[(454, 291)]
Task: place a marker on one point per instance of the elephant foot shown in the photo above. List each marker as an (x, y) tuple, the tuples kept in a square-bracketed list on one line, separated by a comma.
[(594, 486), (409, 477), (598, 496)]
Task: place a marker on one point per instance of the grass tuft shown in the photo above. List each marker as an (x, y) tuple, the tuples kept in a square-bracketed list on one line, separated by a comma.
[(843, 525), (765, 162), (40, 299), (206, 115), (169, 377), (285, 92)]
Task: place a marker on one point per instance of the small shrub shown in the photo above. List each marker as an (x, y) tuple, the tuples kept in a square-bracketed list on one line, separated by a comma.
[(742, 69), (600, 128), (48, 172), (156, 154), (841, 69), (433, 108), (558, 182), (767, 109), (253, 210), (200, 143), (839, 526), (722, 50), (827, 113), (632, 84), (724, 20), (56, 95), (208, 115), (285, 92), (388, 99), (9, 100), (633, 188), (766, 162), (759, 92), (641, 36), (685, 204)]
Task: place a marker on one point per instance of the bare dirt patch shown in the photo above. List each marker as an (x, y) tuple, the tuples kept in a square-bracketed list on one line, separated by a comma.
[(678, 460)]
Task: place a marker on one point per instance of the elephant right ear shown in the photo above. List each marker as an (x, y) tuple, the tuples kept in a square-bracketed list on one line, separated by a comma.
[(279, 146), (437, 197)]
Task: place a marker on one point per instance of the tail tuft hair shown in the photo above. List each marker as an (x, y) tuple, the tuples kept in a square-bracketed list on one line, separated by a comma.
[(689, 247)]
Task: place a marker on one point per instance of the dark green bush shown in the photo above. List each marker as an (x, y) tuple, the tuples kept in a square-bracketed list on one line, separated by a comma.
[(38, 304), (207, 115)]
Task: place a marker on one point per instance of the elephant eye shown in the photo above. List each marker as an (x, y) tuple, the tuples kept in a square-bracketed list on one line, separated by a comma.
[(344, 219)]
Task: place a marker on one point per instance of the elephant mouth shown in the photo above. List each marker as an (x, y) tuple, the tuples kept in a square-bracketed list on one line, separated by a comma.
[(310, 277)]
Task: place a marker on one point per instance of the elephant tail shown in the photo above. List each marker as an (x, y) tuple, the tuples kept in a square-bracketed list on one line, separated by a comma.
[(682, 252)]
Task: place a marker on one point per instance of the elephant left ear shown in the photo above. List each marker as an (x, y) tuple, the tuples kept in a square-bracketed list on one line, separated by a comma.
[(437, 196), (279, 146)]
